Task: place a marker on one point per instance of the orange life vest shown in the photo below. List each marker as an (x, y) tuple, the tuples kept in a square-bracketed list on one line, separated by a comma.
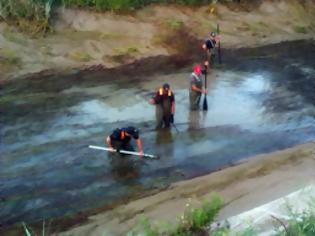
[(122, 135), (161, 92)]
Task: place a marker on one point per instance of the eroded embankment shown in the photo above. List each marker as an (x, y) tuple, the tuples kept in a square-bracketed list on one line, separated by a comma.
[(83, 39)]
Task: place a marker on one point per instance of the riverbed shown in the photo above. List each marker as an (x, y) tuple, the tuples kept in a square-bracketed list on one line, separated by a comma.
[(260, 100)]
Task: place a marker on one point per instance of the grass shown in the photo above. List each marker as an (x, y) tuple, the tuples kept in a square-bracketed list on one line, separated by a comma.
[(299, 223), (14, 37), (80, 56), (31, 16), (194, 220), (175, 24), (123, 54), (8, 56), (45, 230), (197, 221), (126, 50), (8, 59), (300, 29), (129, 5), (225, 231), (34, 16)]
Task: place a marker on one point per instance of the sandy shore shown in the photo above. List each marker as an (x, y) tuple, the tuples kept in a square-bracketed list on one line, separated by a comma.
[(247, 185)]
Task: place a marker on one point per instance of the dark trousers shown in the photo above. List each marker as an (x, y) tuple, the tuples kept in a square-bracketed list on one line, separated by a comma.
[(210, 56), (163, 115), (194, 99)]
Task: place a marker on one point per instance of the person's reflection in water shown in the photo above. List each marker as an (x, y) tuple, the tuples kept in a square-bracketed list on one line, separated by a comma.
[(194, 119), (164, 138), (124, 167)]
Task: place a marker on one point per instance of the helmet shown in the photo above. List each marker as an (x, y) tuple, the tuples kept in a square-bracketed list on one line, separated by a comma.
[(166, 86), (197, 69), (133, 132)]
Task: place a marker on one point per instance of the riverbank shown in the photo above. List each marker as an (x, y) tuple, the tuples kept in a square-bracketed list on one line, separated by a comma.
[(252, 183), (83, 39)]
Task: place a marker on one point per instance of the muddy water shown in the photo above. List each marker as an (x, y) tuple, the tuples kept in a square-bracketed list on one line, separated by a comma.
[(259, 100)]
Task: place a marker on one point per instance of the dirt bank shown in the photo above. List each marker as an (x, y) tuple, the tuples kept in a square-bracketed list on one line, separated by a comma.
[(252, 183), (84, 38)]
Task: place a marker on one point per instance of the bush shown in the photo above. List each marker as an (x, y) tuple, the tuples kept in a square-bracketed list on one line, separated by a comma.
[(35, 15), (299, 223), (32, 10), (300, 29), (28, 15), (193, 220), (122, 5)]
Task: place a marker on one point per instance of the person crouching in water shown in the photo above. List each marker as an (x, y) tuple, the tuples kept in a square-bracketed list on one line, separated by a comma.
[(120, 139), (164, 101), (196, 87)]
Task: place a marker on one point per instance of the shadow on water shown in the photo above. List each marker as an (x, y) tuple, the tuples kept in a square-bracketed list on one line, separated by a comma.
[(263, 101)]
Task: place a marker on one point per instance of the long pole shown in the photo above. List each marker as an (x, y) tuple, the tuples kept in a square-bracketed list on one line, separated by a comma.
[(175, 127), (124, 152), (219, 45), (205, 102)]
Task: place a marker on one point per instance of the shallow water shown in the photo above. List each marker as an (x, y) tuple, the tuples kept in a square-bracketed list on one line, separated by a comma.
[(47, 169)]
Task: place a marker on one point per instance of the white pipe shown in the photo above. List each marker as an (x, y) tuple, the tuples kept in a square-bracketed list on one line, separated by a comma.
[(123, 151)]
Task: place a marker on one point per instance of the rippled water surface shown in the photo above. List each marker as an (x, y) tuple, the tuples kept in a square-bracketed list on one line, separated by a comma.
[(256, 105)]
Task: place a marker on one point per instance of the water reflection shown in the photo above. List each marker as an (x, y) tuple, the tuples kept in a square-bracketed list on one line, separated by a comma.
[(163, 136), (165, 141), (124, 167), (194, 119)]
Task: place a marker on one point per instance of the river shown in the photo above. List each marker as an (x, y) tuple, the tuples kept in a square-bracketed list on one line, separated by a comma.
[(260, 100)]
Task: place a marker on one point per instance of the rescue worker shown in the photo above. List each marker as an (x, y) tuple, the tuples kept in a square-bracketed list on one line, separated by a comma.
[(164, 101), (209, 47), (120, 139), (196, 87)]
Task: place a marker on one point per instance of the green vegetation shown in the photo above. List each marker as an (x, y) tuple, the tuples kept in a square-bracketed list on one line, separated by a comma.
[(126, 50), (35, 15), (300, 29), (29, 15), (175, 24), (80, 56), (193, 221), (8, 56), (14, 36), (122, 5), (29, 231), (299, 223), (8, 59), (123, 54), (196, 221)]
